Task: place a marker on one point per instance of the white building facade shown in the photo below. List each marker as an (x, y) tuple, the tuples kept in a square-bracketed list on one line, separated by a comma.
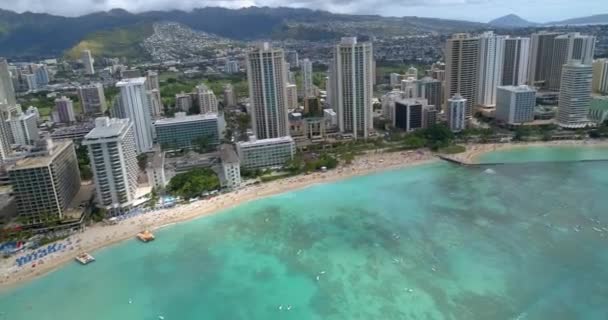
[(456, 113), (574, 95), (266, 153), (135, 106), (515, 104)]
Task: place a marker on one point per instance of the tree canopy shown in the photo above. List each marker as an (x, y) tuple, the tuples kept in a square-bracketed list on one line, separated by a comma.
[(193, 183)]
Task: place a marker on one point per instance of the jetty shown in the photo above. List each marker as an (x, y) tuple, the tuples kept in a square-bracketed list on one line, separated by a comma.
[(465, 163), (146, 236), (84, 258)]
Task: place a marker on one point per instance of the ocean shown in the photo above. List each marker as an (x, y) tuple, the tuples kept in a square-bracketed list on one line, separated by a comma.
[(437, 241)]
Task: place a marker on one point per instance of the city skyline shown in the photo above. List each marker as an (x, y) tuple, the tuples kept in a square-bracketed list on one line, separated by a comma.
[(542, 11)]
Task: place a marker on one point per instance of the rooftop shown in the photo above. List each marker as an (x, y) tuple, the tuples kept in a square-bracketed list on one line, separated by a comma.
[(521, 88), (56, 147), (183, 118), (131, 82), (228, 154), (107, 128), (266, 141)]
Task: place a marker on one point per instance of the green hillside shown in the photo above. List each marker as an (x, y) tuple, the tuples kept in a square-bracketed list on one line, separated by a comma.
[(117, 42)]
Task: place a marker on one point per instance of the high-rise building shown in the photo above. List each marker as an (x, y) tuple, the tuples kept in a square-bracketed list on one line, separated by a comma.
[(45, 185), (65, 110), (24, 128), (231, 167), (515, 104), (267, 79), (515, 62), (183, 102), (491, 55), (30, 80), (7, 103), (134, 105), (600, 76), (7, 91), (412, 72), (568, 47), (292, 96), (409, 114), (292, 58), (456, 113), (229, 96), (156, 104), (206, 99), (409, 87), (307, 87), (87, 61), (429, 115), (462, 70), (266, 153), (92, 99), (395, 79), (152, 80), (113, 157), (541, 54), (42, 75), (185, 132), (352, 77), (231, 66), (431, 90), (574, 95)]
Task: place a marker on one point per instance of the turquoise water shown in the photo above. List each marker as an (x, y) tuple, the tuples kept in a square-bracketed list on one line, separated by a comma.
[(554, 153), (432, 242)]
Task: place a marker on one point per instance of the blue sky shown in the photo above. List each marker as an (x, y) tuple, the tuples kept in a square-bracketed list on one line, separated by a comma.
[(473, 10)]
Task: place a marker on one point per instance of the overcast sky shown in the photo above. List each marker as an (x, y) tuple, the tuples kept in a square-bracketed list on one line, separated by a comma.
[(472, 10)]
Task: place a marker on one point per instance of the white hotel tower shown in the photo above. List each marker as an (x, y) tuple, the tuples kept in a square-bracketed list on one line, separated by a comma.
[(114, 162), (135, 106), (352, 80)]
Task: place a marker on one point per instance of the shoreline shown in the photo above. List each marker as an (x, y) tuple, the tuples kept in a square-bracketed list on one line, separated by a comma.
[(475, 151), (99, 236)]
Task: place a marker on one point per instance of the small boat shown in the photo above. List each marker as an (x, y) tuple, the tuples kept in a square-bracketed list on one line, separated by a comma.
[(84, 258), (145, 236)]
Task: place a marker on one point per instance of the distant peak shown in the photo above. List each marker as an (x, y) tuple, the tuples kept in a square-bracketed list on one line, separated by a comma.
[(511, 21)]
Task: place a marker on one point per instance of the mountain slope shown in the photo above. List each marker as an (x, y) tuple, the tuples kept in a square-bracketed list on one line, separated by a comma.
[(511, 21), (594, 19), (32, 34), (117, 42)]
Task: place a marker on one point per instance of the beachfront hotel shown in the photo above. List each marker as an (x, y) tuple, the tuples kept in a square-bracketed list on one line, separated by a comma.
[(574, 95), (456, 116), (113, 155), (45, 184), (462, 69), (267, 79), (266, 153), (515, 104), (352, 81), (230, 176), (134, 105), (183, 131)]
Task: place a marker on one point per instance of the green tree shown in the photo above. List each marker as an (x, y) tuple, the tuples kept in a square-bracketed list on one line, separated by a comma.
[(201, 144), (142, 161), (193, 183)]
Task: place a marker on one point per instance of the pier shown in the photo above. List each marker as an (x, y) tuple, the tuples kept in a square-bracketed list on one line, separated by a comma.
[(486, 164)]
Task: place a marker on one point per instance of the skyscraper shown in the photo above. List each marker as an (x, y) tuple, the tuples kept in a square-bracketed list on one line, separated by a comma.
[(352, 77), (7, 103), (462, 69), (491, 55), (231, 66), (515, 63), (113, 157), (45, 185), (292, 96), (541, 54), (574, 95), (568, 47), (600, 76), (87, 61), (24, 128), (431, 90), (206, 99), (456, 113), (135, 106), (92, 99), (183, 102), (267, 78), (307, 88), (229, 96), (65, 110), (515, 104)]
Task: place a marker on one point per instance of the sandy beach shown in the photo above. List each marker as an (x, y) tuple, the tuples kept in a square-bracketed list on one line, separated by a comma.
[(101, 235)]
